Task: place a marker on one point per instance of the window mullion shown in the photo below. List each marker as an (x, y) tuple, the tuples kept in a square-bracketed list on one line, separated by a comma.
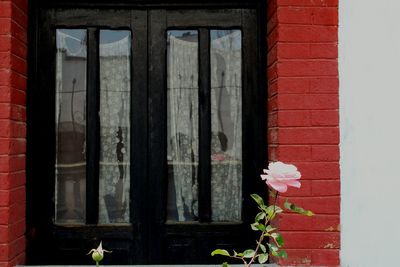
[(93, 139), (204, 127)]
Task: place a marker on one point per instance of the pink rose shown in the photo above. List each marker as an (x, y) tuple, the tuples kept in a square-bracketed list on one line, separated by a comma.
[(280, 175)]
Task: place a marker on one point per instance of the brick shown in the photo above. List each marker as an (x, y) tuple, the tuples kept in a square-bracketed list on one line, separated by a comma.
[(14, 112), (5, 26), (4, 218), (18, 260), (272, 88), (18, 48), (5, 43), (293, 153), (272, 72), (12, 146), (324, 85), (323, 51), (12, 163), (19, 32), (311, 239), (325, 16), (307, 33), (272, 103), (12, 180), (312, 135), (326, 188), (307, 3), (290, 85), (18, 64), (319, 170), (272, 22), (272, 37), (5, 9), (294, 118), (19, 16), (325, 153), (17, 212), (12, 95), (326, 117), (297, 222), (302, 68), (4, 252), (17, 229), (10, 129), (293, 51), (272, 119), (294, 15), (10, 197), (21, 4), (296, 257), (318, 205), (327, 257), (309, 102), (272, 55)]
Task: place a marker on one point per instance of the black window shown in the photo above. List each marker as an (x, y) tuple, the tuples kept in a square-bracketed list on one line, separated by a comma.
[(145, 130)]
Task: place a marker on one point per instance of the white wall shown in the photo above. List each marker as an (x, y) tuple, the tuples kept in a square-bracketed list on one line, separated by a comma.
[(369, 69)]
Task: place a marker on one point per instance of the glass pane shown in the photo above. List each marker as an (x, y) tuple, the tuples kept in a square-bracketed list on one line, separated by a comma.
[(115, 87), (70, 119), (226, 124), (182, 112)]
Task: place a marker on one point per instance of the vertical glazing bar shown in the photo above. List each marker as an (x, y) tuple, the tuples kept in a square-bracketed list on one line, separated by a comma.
[(93, 143), (204, 128)]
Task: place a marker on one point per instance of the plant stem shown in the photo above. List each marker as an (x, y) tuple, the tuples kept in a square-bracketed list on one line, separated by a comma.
[(259, 242)]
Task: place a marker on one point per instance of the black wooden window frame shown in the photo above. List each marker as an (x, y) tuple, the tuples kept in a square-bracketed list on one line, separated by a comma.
[(151, 131)]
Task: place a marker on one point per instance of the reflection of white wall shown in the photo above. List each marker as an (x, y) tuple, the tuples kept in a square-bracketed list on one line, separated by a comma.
[(369, 57)]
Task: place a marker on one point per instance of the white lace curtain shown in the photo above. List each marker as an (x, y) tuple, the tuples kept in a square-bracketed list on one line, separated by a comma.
[(183, 123)]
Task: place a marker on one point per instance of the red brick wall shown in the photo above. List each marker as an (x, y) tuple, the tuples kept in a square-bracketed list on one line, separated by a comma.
[(303, 121), (13, 71)]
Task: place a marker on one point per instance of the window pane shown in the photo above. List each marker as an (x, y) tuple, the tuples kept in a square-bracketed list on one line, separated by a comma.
[(182, 112), (70, 119), (226, 125), (115, 86)]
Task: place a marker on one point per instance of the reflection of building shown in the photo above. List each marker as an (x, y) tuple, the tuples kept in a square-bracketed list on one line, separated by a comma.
[(71, 125)]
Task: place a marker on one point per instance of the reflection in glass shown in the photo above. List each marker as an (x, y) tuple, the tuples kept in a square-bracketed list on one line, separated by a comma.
[(115, 86), (226, 125), (182, 113), (70, 168)]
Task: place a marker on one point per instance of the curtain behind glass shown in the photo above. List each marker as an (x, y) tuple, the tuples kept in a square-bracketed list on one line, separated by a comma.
[(182, 137), (115, 81), (226, 125)]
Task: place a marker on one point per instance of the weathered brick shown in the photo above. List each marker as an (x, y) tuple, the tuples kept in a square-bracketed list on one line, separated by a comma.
[(307, 33), (308, 135), (294, 15), (305, 68)]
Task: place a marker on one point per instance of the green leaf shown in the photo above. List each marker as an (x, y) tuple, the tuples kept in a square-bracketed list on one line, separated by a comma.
[(278, 239), (272, 210), (225, 264), (262, 258), (222, 252), (297, 209), (269, 228), (282, 254), (263, 248), (258, 199), (237, 254), (254, 226), (273, 249), (260, 216), (248, 253)]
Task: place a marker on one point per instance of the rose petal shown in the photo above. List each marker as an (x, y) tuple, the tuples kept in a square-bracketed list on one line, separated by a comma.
[(293, 183), (282, 188)]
